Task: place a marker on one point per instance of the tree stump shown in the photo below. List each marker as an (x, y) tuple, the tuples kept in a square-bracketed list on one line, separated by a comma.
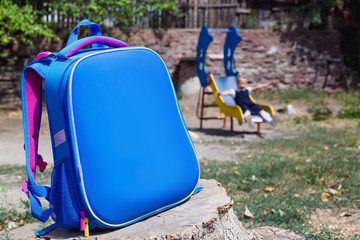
[(207, 215)]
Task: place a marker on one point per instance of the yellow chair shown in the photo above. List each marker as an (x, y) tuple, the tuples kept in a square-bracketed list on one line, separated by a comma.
[(227, 104)]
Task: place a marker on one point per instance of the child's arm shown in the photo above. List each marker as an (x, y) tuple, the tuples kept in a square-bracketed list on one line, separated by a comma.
[(263, 85), (226, 92)]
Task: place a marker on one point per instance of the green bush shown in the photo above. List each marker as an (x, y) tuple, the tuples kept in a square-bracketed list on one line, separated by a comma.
[(251, 21), (19, 25), (179, 94), (350, 112), (277, 26), (124, 13), (320, 113), (351, 107)]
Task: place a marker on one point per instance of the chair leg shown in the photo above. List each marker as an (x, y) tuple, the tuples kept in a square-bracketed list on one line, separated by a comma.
[(258, 127), (224, 122), (231, 125)]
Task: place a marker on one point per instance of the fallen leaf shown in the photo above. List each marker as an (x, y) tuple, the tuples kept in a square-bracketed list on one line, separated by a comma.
[(344, 190), (254, 178), (249, 156), (269, 189), (323, 182), (339, 187), (21, 223), (333, 191), (296, 195), (326, 148), (282, 213), (247, 213), (273, 211), (325, 197), (317, 152), (244, 181)]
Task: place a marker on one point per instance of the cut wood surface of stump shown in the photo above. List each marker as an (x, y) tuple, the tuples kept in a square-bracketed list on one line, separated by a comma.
[(207, 215)]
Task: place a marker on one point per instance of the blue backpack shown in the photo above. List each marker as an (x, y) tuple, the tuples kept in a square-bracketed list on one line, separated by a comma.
[(121, 149)]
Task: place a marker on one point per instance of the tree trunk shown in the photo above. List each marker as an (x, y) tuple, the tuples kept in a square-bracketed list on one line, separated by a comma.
[(207, 215)]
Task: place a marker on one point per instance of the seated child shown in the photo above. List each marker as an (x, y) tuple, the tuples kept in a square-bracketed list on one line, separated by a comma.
[(241, 97)]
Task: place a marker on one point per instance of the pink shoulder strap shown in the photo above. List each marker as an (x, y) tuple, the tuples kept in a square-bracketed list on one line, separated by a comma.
[(32, 94)]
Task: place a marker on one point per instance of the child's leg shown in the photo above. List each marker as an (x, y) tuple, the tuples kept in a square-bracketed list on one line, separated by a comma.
[(266, 116), (247, 116), (247, 113)]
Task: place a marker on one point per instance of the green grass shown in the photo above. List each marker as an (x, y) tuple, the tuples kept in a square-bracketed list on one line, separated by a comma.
[(299, 170), (288, 95), (351, 108), (317, 101), (16, 175), (9, 211)]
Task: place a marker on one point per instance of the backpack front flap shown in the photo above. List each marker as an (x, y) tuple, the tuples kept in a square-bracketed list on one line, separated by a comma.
[(132, 148)]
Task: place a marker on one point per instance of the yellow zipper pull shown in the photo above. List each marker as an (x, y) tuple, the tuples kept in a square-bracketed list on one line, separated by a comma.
[(86, 232)]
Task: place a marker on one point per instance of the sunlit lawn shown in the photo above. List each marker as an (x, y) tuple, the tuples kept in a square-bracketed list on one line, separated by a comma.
[(284, 180)]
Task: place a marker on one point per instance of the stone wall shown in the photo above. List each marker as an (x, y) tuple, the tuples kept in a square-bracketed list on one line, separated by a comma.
[(298, 59)]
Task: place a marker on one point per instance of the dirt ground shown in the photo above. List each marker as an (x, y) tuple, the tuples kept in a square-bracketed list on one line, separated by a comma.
[(11, 134), (215, 142)]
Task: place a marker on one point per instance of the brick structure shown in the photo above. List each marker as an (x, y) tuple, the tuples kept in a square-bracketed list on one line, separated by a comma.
[(298, 59)]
